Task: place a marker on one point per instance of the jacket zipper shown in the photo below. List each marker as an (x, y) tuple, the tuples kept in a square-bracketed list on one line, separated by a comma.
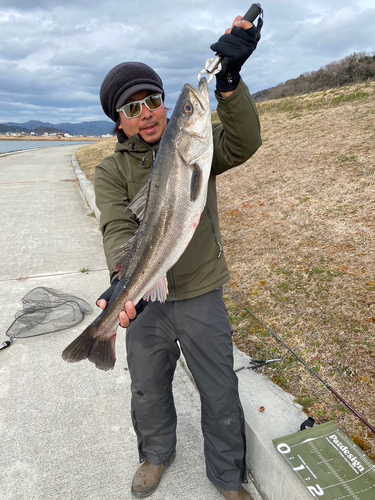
[(214, 232), (153, 151), (151, 148), (172, 284)]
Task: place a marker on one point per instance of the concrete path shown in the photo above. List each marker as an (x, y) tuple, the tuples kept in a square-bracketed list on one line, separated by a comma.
[(65, 429)]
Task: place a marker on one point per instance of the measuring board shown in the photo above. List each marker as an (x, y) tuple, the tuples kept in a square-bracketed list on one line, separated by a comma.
[(330, 464)]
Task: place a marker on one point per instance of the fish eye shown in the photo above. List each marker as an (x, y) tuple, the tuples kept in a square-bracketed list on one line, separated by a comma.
[(188, 108)]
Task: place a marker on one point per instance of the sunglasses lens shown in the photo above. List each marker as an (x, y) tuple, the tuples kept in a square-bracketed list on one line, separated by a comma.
[(133, 109), (154, 102)]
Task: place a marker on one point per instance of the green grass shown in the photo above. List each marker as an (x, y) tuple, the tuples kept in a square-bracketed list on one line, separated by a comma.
[(349, 97), (318, 100)]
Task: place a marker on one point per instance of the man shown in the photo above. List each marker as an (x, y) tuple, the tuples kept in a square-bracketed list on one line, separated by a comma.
[(132, 95)]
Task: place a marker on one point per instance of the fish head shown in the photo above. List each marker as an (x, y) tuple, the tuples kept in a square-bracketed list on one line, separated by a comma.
[(192, 112)]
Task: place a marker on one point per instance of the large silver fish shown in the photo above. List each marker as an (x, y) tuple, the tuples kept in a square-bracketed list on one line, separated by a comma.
[(169, 209)]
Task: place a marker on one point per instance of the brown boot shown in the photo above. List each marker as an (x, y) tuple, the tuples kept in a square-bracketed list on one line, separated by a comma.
[(147, 478), (242, 494)]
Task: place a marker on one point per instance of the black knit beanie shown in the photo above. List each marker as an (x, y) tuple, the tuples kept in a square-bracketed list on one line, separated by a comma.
[(123, 81)]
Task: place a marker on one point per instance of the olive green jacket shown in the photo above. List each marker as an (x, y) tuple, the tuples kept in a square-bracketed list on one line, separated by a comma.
[(202, 267)]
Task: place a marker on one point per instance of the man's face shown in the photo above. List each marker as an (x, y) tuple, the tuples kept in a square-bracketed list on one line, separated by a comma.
[(150, 125)]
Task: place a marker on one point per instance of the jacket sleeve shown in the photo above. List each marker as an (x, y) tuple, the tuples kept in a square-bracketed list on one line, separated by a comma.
[(237, 137), (117, 224)]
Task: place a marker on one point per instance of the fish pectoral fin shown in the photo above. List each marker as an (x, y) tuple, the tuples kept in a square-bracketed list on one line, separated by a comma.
[(196, 182), (138, 204), (158, 292)]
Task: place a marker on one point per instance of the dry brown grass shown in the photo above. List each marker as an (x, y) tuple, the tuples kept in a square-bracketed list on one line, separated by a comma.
[(90, 156), (299, 232), (298, 226)]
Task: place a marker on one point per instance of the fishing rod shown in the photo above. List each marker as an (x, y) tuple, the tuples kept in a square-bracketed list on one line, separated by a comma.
[(372, 429)]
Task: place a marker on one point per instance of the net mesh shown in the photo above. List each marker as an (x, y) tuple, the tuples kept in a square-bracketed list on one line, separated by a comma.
[(46, 310)]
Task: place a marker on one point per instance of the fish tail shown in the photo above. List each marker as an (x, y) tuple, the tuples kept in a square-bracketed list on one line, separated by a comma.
[(103, 353), (98, 350)]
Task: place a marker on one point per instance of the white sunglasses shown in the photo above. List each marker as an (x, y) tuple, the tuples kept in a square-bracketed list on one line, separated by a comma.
[(134, 109)]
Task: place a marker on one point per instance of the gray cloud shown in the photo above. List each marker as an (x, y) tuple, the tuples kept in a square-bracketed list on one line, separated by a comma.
[(54, 54)]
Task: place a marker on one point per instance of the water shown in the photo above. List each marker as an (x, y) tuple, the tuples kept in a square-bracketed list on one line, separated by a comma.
[(9, 146)]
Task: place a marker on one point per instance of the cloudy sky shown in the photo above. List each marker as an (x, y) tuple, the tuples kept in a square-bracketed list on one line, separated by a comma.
[(54, 54)]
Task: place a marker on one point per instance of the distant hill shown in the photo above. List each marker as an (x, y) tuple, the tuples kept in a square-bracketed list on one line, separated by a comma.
[(97, 128), (12, 129), (356, 68)]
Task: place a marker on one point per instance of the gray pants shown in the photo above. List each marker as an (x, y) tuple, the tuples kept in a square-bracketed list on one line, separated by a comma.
[(201, 326)]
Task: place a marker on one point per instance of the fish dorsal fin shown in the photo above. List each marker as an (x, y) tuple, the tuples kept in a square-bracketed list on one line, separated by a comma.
[(138, 208), (139, 203), (158, 292)]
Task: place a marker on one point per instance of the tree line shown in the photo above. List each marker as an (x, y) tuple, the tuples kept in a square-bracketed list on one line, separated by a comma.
[(356, 68)]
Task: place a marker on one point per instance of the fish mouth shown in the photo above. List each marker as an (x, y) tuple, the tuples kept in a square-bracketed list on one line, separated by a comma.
[(202, 93)]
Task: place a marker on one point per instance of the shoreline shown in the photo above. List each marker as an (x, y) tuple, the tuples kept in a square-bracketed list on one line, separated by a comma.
[(48, 138)]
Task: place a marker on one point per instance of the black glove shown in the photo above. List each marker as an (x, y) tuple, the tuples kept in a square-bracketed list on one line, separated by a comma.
[(307, 423), (235, 48), (108, 294)]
